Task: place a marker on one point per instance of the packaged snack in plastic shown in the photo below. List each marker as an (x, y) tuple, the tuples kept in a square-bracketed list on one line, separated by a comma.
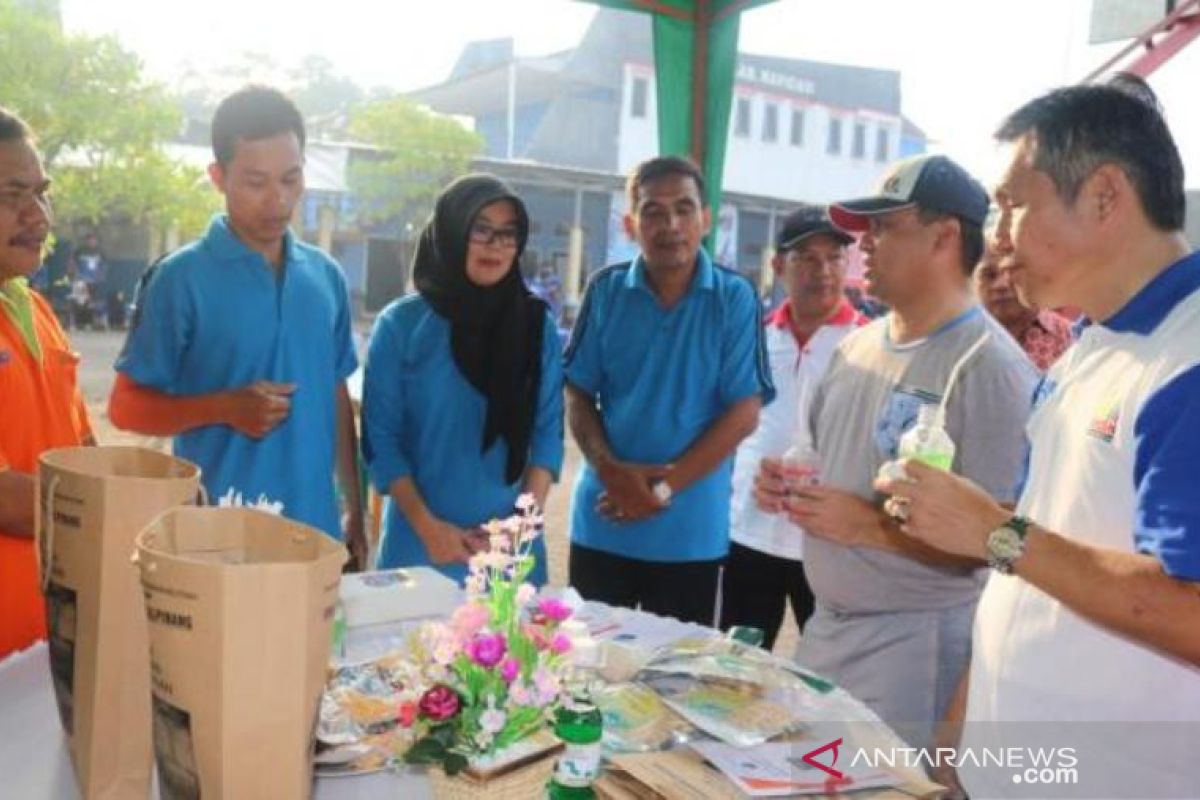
[(636, 720), (738, 714)]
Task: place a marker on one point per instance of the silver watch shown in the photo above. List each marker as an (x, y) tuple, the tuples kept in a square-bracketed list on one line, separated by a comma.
[(1006, 544), (662, 490)]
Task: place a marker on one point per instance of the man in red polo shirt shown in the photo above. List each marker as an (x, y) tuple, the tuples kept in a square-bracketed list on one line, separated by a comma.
[(40, 404), (764, 569)]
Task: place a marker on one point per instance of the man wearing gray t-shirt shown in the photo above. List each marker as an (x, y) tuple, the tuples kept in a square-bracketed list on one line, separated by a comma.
[(893, 618)]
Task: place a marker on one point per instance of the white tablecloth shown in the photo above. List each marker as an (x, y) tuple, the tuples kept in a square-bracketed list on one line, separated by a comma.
[(35, 765)]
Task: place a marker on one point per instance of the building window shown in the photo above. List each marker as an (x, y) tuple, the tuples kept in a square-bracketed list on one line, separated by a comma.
[(834, 145), (637, 103), (860, 140), (741, 125), (798, 128), (881, 145), (770, 123)]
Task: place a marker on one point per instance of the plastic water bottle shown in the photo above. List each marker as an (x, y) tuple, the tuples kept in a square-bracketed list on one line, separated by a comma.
[(580, 725), (927, 441), (801, 467)]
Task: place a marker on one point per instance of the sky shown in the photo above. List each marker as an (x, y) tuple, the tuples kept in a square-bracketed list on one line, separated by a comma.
[(964, 63)]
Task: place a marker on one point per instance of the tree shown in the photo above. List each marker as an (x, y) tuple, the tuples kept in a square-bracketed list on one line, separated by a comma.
[(323, 96), (318, 91), (419, 153), (100, 124)]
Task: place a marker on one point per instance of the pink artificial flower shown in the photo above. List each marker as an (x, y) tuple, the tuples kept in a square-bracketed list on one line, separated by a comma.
[(441, 642), (408, 714), (440, 703), (486, 649), (525, 593), (467, 620), (518, 694), (510, 668), (492, 721), (560, 644), (553, 609), (546, 686), (475, 584)]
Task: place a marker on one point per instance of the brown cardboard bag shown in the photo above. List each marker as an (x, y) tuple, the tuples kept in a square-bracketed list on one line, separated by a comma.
[(93, 502), (240, 604)]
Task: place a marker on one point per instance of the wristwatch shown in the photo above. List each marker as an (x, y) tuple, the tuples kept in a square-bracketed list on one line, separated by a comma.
[(662, 490), (1006, 544)]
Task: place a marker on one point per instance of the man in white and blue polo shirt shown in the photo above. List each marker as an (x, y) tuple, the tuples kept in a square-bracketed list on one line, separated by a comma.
[(666, 372), (1088, 633), (241, 345)]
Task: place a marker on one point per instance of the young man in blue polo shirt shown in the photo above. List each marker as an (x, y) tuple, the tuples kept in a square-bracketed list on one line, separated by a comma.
[(242, 344), (666, 372)]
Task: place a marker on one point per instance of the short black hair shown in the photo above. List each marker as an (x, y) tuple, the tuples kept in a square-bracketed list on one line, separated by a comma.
[(251, 113), (970, 236), (13, 128), (660, 167), (1136, 86), (1076, 129)]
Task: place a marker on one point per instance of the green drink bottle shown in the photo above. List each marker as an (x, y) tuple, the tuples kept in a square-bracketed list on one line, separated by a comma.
[(927, 441), (580, 725)]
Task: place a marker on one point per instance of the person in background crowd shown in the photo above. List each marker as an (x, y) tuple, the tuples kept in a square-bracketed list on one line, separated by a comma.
[(764, 569), (1043, 334)]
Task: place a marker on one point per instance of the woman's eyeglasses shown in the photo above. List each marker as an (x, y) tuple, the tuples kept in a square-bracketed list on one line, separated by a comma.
[(482, 233)]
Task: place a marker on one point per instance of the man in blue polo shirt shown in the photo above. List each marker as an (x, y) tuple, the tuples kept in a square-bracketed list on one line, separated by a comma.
[(666, 372), (242, 344)]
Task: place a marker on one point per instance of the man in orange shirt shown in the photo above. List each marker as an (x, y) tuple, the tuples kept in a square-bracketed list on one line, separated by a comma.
[(40, 404)]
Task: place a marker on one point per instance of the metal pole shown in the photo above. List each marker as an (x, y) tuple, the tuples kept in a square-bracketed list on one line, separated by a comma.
[(768, 252), (512, 105), (575, 251), (1179, 14), (703, 19)]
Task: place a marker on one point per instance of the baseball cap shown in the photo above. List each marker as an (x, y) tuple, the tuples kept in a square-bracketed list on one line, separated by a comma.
[(804, 222), (934, 183)]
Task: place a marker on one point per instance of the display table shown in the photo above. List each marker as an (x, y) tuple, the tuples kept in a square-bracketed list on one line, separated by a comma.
[(36, 766)]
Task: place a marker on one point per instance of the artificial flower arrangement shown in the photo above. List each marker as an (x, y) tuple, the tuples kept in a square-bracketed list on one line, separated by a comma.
[(495, 673)]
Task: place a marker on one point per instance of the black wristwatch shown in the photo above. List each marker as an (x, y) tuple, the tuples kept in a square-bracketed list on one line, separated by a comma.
[(1006, 544)]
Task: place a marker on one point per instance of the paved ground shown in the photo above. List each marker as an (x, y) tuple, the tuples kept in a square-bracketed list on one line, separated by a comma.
[(99, 350)]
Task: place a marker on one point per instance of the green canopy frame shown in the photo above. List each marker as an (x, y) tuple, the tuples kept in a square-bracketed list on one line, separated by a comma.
[(695, 58)]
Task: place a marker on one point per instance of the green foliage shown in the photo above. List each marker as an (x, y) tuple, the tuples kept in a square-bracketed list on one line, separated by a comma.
[(99, 124), (324, 96), (419, 153), (319, 91)]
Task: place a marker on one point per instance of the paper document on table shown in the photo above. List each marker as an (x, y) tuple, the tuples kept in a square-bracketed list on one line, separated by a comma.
[(778, 769)]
